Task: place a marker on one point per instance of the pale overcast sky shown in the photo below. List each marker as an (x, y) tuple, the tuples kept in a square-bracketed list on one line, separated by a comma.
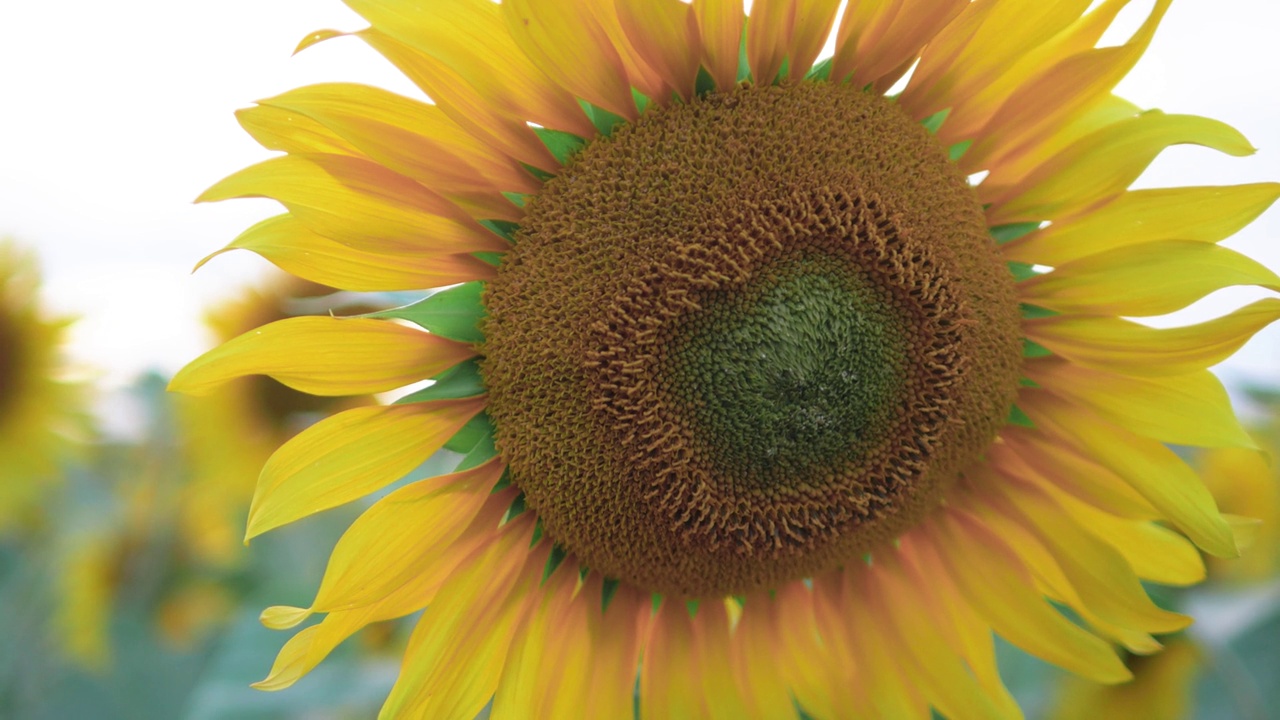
[(116, 115)]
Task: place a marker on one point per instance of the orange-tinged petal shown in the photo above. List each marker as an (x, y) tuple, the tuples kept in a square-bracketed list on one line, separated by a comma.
[(891, 687), (1191, 409), (664, 34), (297, 250), (878, 36), (1029, 454), (1125, 347), (1200, 214), (713, 652), (1043, 104), (811, 27), (787, 31), (350, 455), (1100, 166), (755, 638), (670, 677), (360, 203), (817, 674), (468, 39), (1143, 280), (997, 584), (456, 655), (720, 24), (325, 356), (1147, 465), (391, 542), (565, 38), (982, 44), (618, 633), (467, 106), (548, 662), (1011, 167)]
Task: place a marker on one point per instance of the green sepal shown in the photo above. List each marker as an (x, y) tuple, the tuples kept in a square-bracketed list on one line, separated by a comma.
[(503, 483), (957, 151), (562, 145), (604, 120), (607, 591), (1028, 382), (692, 607), (516, 509), (454, 313), (556, 557), (1021, 271), (1019, 418), (641, 100), (704, 84), (933, 123), (537, 534), (539, 173), (821, 71), (517, 199), (583, 572), (1008, 233), (783, 72), (655, 601), (1033, 349), (460, 381), (741, 600), (493, 258), (504, 229), (471, 438), (1035, 312), (744, 65)]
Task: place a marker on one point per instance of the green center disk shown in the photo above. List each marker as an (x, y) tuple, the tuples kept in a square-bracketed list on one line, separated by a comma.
[(799, 371)]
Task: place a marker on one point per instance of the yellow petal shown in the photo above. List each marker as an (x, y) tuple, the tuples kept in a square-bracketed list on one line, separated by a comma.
[(286, 131), (1147, 465), (892, 687), (469, 40), (720, 25), (1125, 347), (1030, 454), (664, 34), (1100, 166), (618, 634), (1014, 164), (1191, 409), (812, 24), (1142, 280), (360, 203), (980, 46), (293, 248), (548, 660), (455, 657), (1100, 574), (713, 653), (1200, 214), (283, 617), (325, 356), (787, 31), (754, 637), (350, 455), (1062, 89), (567, 40), (670, 677), (818, 675), (999, 587), (468, 107), (877, 36), (393, 541)]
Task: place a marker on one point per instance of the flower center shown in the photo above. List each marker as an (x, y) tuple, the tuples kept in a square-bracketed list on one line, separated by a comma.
[(748, 338)]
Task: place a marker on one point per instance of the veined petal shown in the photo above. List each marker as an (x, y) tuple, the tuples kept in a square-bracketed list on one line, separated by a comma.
[(720, 24), (1142, 280), (997, 584), (290, 246), (457, 652), (360, 203), (877, 36), (665, 35), (350, 455), (1125, 347), (286, 131), (755, 637), (325, 356), (891, 687), (1027, 453), (1200, 214), (1101, 165), (1044, 103), (618, 633), (1191, 409), (811, 27), (410, 137), (1010, 168), (787, 31), (982, 44), (819, 687), (1147, 465), (567, 39), (549, 660), (468, 38), (713, 653), (388, 545), (465, 105)]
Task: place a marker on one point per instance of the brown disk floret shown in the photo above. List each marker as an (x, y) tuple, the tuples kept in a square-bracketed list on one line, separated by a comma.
[(747, 339)]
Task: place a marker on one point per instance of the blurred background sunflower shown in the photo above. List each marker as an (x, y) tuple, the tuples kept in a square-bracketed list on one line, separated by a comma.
[(143, 583)]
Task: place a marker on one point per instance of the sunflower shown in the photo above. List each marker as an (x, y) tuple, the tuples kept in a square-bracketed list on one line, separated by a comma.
[(41, 411), (764, 405)]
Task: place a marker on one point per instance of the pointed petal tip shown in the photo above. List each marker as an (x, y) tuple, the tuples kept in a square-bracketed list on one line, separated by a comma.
[(283, 617), (316, 37)]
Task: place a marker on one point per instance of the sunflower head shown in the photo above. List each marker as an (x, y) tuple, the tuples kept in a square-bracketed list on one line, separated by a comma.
[(741, 363)]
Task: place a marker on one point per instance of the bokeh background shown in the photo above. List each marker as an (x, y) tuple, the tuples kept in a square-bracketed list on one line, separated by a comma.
[(126, 594)]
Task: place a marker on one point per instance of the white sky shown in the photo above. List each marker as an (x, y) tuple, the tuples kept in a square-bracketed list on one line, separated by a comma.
[(116, 115)]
